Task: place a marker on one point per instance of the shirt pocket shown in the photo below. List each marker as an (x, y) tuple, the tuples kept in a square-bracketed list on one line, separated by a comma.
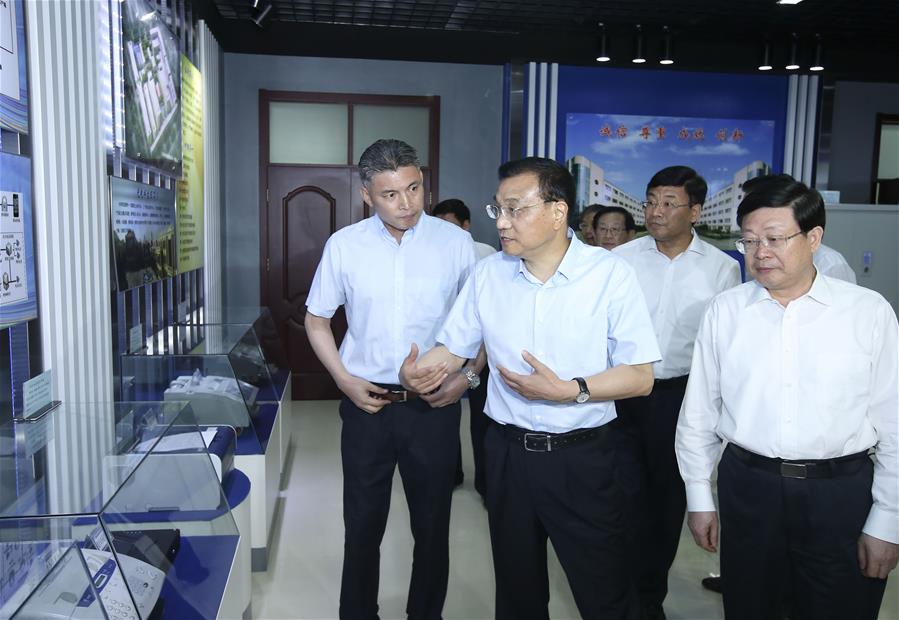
[(842, 382)]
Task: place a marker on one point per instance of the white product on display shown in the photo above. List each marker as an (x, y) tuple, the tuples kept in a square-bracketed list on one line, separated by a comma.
[(214, 399)]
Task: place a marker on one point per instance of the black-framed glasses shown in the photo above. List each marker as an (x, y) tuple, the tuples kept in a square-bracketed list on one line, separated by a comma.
[(609, 230), (512, 213), (666, 205), (771, 242)]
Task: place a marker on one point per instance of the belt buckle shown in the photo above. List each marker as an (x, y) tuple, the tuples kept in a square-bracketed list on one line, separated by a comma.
[(403, 398), (794, 470), (548, 438)]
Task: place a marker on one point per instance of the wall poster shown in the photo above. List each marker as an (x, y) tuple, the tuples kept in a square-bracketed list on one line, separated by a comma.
[(152, 88), (612, 157), (143, 232), (13, 75), (18, 292), (190, 188)]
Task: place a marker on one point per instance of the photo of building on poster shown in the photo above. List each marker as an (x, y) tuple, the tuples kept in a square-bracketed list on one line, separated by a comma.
[(18, 293), (152, 67), (612, 158), (13, 76), (143, 232)]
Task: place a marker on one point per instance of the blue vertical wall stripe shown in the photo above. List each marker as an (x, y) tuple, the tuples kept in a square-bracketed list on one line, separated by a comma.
[(18, 364), (507, 113), (525, 109)]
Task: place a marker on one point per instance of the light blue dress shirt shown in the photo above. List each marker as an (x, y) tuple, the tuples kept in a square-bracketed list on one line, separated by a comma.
[(589, 316), (394, 293)]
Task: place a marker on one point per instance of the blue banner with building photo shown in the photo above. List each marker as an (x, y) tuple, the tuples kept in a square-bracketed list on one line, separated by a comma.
[(612, 157), (13, 74), (18, 290), (151, 64), (143, 232)]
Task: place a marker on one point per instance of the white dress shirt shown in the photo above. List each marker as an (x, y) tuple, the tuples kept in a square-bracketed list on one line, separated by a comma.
[(818, 379), (831, 263), (484, 249), (677, 292), (394, 293), (590, 315)]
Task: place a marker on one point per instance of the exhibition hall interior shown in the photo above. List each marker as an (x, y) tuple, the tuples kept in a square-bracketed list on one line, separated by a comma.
[(171, 171)]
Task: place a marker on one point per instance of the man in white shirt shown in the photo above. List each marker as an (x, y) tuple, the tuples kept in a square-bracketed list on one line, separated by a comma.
[(397, 274), (679, 274), (456, 212), (549, 458), (799, 374)]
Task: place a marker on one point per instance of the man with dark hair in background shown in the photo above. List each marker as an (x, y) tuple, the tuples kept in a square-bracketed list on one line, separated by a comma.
[(613, 226), (679, 274), (397, 274), (799, 374), (456, 212), (585, 224), (549, 454)]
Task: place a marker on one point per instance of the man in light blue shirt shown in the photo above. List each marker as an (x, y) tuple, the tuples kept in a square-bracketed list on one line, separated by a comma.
[(397, 275), (549, 461)]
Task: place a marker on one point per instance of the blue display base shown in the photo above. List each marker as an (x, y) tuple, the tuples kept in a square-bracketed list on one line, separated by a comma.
[(195, 584)]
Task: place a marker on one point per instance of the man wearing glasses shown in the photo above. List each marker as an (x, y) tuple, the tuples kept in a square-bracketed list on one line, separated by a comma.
[(799, 374), (549, 456), (613, 226), (679, 274), (397, 274)]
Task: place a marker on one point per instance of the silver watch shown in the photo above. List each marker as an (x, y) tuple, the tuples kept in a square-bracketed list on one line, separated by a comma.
[(473, 379)]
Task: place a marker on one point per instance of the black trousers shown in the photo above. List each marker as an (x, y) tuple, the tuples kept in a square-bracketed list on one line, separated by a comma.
[(478, 424), (649, 476), (423, 442), (786, 539), (571, 497)]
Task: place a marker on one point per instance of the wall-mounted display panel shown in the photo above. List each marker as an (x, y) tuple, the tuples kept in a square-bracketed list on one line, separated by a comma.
[(143, 232), (18, 290), (13, 74), (190, 187)]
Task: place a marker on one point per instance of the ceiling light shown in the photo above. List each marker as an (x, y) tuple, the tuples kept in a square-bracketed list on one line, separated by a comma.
[(602, 52), (817, 65), (255, 3), (259, 18), (788, 1), (793, 64), (765, 64), (638, 46), (666, 48)]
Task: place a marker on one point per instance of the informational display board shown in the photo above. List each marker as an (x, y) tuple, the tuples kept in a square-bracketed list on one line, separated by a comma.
[(613, 157), (190, 187), (18, 292), (143, 232), (13, 75), (152, 68)]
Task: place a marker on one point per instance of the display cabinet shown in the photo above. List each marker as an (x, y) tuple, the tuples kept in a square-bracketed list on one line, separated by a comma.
[(115, 510), (232, 374)]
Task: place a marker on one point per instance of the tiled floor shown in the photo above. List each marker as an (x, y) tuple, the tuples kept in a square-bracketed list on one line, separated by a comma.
[(303, 579)]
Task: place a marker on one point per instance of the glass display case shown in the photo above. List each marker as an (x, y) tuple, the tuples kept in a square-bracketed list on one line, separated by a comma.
[(220, 370), (260, 320), (112, 510)]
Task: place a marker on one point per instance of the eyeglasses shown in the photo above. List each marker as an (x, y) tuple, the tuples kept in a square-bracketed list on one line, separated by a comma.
[(665, 205), (495, 211), (772, 242), (611, 231)]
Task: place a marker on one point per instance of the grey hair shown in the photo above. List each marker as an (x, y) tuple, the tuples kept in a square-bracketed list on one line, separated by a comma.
[(386, 155)]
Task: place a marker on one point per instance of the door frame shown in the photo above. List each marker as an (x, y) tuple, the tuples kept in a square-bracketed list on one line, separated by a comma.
[(349, 99)]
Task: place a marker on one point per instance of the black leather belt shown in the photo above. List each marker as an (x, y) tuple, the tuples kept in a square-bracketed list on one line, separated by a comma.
[(673, 381), (395, 393), (806, 468), (548, 442)]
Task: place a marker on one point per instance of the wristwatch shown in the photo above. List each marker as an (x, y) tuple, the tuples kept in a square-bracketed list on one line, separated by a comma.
[(584, 395), (473, 379)]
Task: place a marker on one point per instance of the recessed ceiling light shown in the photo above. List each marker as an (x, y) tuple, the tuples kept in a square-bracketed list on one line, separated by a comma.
[(788, 1)]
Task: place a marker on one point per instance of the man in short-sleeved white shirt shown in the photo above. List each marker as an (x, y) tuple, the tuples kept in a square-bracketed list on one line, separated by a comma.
[(679, 274), (397, 275), (799, 374), (550, 461)]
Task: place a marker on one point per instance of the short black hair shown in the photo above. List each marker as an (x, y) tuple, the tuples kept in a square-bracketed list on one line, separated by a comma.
[(750, 185), (452, 206), (556, 183), (386, 155), (681, 176), (807, 204), (589, 210), (629, 223)]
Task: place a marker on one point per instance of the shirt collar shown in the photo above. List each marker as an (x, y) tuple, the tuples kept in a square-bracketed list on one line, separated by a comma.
[(568, 265), (696, 244), (820, 292), (382, 229)]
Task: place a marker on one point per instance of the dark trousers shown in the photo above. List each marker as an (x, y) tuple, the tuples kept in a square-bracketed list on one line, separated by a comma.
[(479, 422), (423, 442), (651, 481), (787, 539), (571, 497)]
